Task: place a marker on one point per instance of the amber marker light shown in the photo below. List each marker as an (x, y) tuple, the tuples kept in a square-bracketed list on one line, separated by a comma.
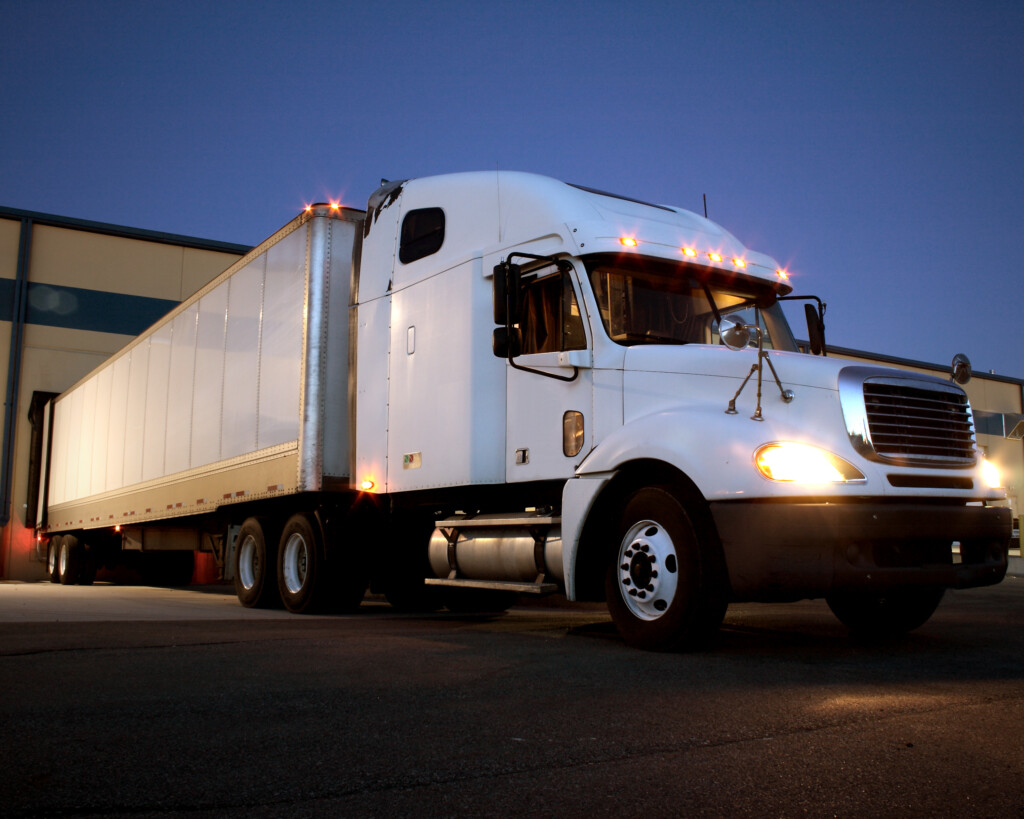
[(715, 257), (782, 274), (739, 262), (366, 484), (689, 251), (335, 205), (627, 241), (308, 208)]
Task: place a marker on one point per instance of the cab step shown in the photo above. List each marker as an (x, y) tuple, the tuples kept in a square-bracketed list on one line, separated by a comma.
[(494, 585)]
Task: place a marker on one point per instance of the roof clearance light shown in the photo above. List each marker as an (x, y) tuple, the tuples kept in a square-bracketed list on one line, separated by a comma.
[(715, 257), (739, 262), (308, 208), (689, 251), (628, 241), (782, 274), (335, 205)]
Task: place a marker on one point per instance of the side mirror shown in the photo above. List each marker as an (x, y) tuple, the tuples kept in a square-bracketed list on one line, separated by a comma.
[(815, 329), (506, 293), (734, 335), (504, 345), (961, 369)]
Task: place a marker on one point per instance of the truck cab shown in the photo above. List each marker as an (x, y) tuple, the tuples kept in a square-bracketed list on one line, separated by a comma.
[(623, 372)]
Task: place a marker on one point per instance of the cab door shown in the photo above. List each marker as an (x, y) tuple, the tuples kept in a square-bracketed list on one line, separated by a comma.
[(549, 383)]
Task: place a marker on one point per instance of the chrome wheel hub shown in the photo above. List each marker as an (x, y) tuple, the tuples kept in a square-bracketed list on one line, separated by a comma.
[(648, 570)]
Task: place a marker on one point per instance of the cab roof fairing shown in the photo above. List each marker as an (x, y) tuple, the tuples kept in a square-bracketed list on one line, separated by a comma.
[(530, 207), (605, 238)]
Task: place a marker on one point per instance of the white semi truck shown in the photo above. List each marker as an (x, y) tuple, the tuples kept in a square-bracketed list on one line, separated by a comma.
[(494, 384)]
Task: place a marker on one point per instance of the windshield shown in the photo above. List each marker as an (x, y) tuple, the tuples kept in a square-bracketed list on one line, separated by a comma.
[(646, 301)]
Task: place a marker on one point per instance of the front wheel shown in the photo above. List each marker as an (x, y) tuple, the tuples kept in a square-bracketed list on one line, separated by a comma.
[(665, 588), (885, 615)]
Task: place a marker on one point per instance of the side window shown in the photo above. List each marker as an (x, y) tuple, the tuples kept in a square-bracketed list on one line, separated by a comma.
[(550, 319), (422, 234)]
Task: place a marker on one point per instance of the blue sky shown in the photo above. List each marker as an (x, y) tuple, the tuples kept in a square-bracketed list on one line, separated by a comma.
[(875, 149)]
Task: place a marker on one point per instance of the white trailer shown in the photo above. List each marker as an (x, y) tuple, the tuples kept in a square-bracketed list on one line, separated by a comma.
[(491, 384)]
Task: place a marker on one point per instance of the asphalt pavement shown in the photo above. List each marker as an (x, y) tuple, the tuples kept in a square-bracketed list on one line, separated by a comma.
[(132, 701)]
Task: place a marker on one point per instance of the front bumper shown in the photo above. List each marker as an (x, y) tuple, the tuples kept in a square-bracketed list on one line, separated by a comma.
[(789, 551)]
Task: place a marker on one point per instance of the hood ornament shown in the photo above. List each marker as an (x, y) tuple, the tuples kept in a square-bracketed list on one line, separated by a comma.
[(736, 336)]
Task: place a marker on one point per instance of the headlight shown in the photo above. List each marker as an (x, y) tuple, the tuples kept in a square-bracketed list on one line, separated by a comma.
[(990, 474), (801, 463)]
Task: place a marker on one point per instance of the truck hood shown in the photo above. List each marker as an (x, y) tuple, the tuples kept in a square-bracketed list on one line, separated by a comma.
[(794, 369)]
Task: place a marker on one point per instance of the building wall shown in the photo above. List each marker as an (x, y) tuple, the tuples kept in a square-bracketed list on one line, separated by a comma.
[(91, 288)]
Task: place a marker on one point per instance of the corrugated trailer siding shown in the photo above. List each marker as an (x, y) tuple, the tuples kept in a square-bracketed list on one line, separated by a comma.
[(205, 407)]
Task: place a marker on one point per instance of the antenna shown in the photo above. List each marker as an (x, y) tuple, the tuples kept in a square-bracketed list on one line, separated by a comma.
[(705, 205), (497, 185)]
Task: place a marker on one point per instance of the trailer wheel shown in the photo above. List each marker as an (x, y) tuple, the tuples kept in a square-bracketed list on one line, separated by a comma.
[(887, 615), (69, 563), (300, 565), (53, 558), (255, 559), (665, 588)]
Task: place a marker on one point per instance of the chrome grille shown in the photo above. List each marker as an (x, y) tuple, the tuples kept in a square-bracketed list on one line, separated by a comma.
[(919, 424), (908, 420)]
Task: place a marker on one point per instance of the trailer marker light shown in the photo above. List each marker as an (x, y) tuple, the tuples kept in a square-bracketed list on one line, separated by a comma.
[(366, 484), (628, 241), (715, 257), (689, 251), (739, 262)]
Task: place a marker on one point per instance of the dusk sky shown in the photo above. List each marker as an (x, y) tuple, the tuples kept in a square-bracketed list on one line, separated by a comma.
[(875, 149)]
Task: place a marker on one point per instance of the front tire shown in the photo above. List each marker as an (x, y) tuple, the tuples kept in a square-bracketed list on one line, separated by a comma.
[(665, 585), (886, 615), (255, 559)]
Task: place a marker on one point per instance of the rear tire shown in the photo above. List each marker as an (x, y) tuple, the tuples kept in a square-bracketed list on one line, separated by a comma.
[(300, 566), (665, 585), (255, 562), (53, 558), (887, 615), (69, 562)]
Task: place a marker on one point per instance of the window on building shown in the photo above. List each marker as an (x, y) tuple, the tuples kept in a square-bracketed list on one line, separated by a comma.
[(988, 423)]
